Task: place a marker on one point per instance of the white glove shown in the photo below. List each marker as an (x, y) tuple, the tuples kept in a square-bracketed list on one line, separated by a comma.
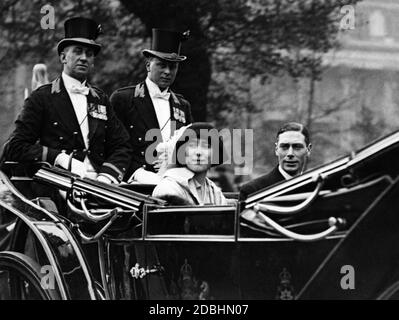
[(165, 151), (105, 178), (161, 163), (77, 167), (144, 176)]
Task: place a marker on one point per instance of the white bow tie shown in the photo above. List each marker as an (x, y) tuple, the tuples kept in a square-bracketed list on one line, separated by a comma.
[(79, 89), (162, 95)]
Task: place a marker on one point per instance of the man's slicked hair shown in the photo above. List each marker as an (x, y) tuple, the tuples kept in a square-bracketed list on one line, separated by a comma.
[(295, 126), (149, 59)]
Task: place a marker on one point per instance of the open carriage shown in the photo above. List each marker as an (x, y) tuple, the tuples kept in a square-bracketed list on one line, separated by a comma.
[(330, 233)]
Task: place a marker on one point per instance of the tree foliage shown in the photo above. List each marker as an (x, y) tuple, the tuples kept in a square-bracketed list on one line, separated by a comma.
[(267, 38), (232, 43), (249, 37), (120, 61)]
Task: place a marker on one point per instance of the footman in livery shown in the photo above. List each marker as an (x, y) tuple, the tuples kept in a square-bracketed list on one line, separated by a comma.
[(152, 105), (69, 122)]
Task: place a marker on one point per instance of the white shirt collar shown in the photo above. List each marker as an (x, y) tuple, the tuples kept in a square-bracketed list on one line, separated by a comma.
[(285, 174), (153, 87), (69, 81)]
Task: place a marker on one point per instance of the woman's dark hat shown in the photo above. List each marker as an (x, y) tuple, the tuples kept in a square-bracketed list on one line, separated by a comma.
[(80, 30), (166, 45)]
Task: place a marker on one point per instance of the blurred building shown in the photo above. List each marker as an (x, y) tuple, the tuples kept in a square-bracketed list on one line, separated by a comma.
[(357, 99), (367, 69), (13, 82)]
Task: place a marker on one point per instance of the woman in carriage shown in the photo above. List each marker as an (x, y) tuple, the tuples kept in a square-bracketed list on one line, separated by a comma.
[(192, 152)]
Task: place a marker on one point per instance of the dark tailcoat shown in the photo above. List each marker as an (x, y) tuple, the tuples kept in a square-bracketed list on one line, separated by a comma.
[(48, 125), (134, 107), (260, 183)]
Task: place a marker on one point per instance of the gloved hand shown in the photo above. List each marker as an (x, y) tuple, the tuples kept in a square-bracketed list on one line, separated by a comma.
[(104, 179), (144, 176), (165, 152), (77, 167), (161, 163)]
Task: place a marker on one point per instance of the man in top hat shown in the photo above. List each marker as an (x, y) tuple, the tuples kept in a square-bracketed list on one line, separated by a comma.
[(292, 150), (152, 105), (70, 123)]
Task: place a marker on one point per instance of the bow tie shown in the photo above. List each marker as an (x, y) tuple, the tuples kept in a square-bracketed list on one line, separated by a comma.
[(162, 95), (79, 89)]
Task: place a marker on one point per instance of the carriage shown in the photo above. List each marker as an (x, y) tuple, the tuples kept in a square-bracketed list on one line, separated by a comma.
[(330, 233)]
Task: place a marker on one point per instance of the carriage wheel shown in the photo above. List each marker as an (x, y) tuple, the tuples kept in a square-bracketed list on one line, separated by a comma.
[(20, 278)]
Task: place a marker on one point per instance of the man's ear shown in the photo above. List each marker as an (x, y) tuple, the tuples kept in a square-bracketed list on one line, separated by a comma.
[(147, 65), (275, 149), (309, 148), (63, 57)]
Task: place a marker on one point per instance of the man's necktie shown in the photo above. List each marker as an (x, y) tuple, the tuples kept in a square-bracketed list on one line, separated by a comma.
[(80, 90)]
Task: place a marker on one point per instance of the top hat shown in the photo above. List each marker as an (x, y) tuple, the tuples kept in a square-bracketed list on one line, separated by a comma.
[(166, 45), (80, 31)]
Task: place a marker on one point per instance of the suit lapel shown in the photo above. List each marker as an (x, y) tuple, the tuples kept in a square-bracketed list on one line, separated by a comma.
[(93, 122), (145, 108), (277, 176)]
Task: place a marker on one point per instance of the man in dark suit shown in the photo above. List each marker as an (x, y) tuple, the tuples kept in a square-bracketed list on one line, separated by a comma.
[(150, 111), (292, 149), (70, 119)]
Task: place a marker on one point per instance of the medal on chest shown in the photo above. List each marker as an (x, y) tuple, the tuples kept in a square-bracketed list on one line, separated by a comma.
[(98, 111), (179, 115)]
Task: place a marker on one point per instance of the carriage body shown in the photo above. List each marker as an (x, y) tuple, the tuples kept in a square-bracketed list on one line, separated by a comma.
[(299, 239)]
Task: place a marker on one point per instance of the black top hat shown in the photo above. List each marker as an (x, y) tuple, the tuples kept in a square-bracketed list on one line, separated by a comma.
[(166, 45), (80, 31)]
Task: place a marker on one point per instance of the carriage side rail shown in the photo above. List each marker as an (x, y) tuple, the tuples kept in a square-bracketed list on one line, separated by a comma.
[(264, 206), (258, 218)]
